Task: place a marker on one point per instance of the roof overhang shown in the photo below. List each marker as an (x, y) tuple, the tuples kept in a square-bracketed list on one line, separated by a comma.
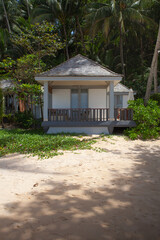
[(42, 80)]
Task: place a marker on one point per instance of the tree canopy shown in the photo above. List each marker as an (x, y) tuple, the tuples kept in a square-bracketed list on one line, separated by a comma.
[(36, 35)]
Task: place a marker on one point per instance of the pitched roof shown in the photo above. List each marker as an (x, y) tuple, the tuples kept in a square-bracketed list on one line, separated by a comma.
[(79, 66), (6, 84), (121, 88)]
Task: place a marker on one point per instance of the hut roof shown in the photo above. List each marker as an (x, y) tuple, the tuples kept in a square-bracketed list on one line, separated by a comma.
[(121, 88), (6, 84), (79, 66)]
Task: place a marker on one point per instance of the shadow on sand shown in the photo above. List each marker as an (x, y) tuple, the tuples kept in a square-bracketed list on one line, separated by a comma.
[(129, 209)]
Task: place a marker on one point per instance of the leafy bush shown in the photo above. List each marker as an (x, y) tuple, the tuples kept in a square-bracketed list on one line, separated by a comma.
[(24, 119), (156, 97), (8, 118), (1, 105), (147, 119)]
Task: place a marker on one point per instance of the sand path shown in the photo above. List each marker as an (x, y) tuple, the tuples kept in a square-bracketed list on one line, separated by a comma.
[(112, 194)]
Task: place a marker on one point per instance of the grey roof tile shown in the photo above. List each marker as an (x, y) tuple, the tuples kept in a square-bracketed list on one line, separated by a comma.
[(79, 66), (121, 88), (6, 84)]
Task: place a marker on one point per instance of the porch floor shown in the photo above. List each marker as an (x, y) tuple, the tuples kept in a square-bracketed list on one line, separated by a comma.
[(105, 124)]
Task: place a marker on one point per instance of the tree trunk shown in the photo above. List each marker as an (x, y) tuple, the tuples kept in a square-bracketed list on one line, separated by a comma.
[(28, 12), (155, 76), (121, 52), (65, 35), (142, 57), (6, 16), (151, 74), (80, 30)]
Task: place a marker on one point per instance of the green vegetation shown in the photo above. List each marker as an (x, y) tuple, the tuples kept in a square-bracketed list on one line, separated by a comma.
[(156, 97), (147, 119), (1, 105), (119, 34), (37, 143), (40, 34), (26, 120)]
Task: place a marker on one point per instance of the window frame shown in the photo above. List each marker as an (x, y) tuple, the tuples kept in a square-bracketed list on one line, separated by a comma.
[(79, 91)]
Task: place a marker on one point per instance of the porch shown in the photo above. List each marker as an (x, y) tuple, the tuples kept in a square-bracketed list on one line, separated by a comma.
[(89, 120), (88, 115), (79, 97)]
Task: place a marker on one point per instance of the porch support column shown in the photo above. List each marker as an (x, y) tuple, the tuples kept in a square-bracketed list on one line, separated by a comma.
[(45, 110), (111, 101)]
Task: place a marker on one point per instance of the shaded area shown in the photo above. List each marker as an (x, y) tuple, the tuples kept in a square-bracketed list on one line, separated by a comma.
[(17, 165), (128, 208)]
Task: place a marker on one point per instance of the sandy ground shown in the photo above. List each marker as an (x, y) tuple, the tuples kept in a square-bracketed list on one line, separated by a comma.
[(83, 195)]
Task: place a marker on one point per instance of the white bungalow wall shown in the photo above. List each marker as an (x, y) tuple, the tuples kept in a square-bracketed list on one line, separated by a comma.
[(61, 98), (125, 101), (97, 98)]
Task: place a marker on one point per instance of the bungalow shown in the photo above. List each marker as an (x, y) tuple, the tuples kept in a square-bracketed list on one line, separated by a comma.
[(79, 97), (11, 102)]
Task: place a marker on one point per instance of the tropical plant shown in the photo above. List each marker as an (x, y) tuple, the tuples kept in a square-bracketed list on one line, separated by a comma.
[(39, 39), (37, 42), (1, 105), (153, 70), (4, 39), (114, 16), (146, 118), (156, 97), (57, 12), (9, 11)]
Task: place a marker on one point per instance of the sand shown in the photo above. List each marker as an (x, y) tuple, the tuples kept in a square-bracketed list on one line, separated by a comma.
[(84, 194)]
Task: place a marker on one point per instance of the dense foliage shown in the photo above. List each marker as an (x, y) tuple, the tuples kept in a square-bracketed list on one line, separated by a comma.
[(1, 105), (156, 97), (37, 143), (39, 34), (147, 119), (26, 120)]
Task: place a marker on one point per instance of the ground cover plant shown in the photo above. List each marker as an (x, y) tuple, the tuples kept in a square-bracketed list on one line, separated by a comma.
[(37, 143)]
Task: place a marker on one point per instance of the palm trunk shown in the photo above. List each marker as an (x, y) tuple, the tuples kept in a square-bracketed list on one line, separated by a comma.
[(80, 30), (28, 8), (6, 16), (76, 39), (155, 76), (121, 52), (142, 58), (65, 35), (151, 74)]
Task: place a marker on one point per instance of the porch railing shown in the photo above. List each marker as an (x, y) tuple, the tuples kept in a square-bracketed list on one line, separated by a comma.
[(123, 114), (88, 115)]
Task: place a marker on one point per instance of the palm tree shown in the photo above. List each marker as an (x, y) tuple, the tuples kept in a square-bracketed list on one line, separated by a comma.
[(56, 11), (115, 15), (26, 7), (153, 65), (9, 12), (78, 13), (6, 16), (4, 39)]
